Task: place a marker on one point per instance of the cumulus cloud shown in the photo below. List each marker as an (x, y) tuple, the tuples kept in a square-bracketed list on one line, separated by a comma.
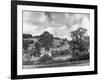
[(58, 23)]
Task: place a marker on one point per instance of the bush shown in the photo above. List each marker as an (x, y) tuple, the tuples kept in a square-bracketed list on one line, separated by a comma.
[(84, 56), (66, 52), (45, 58), (56, 53), (71, 59), (76, 55), (27, 62)]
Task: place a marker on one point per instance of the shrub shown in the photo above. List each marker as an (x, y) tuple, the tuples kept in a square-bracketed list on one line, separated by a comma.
[(84, 56), (70, 59), (56, 53), (45, 58), (27, 62), (76, 55), (66, 52)]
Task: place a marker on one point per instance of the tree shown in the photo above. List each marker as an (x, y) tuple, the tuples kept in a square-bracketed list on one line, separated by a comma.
[(46, 40), (79, 40), (27, 36), (45, 58), (37, 49), (79, 44), (87, 42), (26, 43), (78, 34)]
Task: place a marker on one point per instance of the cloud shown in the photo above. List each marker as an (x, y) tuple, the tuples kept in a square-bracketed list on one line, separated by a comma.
[(57, 23), (34, 17)]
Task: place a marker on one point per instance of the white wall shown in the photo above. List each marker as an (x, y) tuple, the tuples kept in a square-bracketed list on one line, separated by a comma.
[(5, 29)]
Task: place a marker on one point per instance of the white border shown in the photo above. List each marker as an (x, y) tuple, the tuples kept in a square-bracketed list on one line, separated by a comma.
[(21, 71)]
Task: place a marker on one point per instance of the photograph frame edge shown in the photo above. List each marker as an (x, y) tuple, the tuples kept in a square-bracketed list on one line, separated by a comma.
[(14, 41)]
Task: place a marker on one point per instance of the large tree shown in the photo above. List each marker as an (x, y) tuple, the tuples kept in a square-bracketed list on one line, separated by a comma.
[(78, 34), (79, 40), (46, 40)]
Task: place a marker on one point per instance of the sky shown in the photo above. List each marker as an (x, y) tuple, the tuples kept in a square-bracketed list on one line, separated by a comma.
[(60, 24)]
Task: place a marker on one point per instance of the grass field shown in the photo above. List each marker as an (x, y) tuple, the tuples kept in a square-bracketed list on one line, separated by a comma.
[(58, 64)]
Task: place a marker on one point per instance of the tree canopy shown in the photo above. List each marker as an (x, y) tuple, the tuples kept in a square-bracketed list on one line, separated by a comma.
[(46, 40), (79, 40), (78, 34), (27, 36)]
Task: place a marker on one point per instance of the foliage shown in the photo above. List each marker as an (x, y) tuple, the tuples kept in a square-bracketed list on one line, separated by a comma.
[(78, 34), (26, 43), (79, 44), (27, 36), (65, 52), (35, 52), (77, 56), (37, 49), (84, 56), (56, 53), (46, 40), (79, 40), (60, 53), (27, 62), (45, 58)]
